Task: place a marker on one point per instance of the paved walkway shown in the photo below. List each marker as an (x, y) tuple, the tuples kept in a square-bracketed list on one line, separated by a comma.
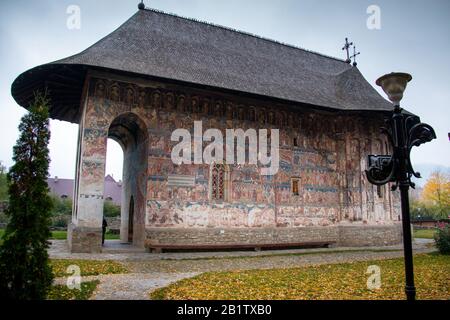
[(151, 271)]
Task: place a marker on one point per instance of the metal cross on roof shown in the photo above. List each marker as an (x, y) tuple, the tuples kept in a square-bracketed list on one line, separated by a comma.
[(354, 56), (347, 47)]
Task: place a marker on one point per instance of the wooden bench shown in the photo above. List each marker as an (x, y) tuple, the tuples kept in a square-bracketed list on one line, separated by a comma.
[(159, 248)]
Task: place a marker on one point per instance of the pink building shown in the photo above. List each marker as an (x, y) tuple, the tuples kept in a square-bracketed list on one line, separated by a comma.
[(64, 188)]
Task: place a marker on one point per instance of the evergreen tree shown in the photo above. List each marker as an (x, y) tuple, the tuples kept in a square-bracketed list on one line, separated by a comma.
[(3, 183), (25, 272)]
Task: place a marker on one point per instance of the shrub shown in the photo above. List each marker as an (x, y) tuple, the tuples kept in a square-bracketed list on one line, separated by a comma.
[(3, 183), (59, 222), (3, 218), (442, 238), (61, 206), (111, 210)]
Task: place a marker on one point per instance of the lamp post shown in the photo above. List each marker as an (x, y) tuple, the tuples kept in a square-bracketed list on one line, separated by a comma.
[(404, 131)]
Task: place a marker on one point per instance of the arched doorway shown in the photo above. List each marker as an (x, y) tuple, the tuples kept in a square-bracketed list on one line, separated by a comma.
[(132, 135)]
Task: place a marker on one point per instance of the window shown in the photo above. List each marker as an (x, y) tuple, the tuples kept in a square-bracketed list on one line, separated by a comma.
[(295, 142), (379, 192), (219, 180), (252, 116), (295, 186)]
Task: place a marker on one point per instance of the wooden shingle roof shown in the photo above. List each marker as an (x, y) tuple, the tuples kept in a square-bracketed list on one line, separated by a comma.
[(156, 44)]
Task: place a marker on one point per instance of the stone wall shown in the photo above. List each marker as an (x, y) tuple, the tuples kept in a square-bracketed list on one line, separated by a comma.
[(84, 239), (344, 236), (362, 236), (211, 236), (325, 150)]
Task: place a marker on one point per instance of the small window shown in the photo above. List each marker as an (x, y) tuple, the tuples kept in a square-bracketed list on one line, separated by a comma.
[(379, 192), (295, 142), (219, 178), (252, 115), (295, 187)]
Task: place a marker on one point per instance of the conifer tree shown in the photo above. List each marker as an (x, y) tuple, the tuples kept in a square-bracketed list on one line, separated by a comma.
[(25, 273)]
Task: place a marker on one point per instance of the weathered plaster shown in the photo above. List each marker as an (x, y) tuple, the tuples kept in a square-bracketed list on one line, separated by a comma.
[(328, 158)]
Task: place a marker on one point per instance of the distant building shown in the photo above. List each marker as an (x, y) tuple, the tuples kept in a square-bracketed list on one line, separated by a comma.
[(416, 194), (63, 188), (426, 223)]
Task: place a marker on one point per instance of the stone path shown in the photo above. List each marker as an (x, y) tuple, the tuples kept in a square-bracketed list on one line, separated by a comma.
[(152, 271), (134, 286)]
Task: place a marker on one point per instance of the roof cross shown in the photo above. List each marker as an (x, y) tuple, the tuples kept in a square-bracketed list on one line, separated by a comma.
[(346, 47), (354, 56)]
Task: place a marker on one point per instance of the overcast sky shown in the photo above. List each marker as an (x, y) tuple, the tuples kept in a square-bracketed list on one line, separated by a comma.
[(414, 38)]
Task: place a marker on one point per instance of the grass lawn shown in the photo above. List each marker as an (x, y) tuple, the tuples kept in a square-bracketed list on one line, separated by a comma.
[(336, 282), (62, 235), (424, 233), (87, 267), (60, 292)]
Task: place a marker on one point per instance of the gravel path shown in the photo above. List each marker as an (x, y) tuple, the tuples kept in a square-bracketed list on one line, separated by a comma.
[(134, 286), (114, 250), (131, 286), (267, 262), (152, 271)]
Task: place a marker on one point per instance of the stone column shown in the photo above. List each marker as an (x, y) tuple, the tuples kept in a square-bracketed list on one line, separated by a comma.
[(85, 231)]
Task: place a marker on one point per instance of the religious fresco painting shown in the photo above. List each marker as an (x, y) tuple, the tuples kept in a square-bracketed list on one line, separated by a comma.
[(327, 116)]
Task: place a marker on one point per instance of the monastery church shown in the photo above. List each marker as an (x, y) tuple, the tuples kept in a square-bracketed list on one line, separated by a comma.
[(159, 72)]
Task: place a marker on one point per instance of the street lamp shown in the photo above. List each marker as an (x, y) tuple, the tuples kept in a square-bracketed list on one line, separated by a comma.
[(404, 131)]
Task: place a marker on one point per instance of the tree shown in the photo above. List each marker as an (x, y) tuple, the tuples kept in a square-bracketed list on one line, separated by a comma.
[(437, 192), (110, 209), (24, 269), (3, 183), (61, 206)]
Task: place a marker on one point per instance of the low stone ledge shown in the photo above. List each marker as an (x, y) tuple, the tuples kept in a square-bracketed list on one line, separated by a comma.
[(342, 236)]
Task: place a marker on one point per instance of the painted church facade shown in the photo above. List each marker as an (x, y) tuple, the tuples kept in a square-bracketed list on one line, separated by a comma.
[(319, 195)]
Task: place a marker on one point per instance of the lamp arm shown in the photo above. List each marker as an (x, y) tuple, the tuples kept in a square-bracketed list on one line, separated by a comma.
[(378, 173), (419, 134)]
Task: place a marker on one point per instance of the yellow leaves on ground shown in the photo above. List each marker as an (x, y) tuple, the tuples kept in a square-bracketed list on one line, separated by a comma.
[(60, 292), (339, 281), (87, 267)]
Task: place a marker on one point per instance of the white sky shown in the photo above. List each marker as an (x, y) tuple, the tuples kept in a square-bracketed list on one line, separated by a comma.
[(414, 38)]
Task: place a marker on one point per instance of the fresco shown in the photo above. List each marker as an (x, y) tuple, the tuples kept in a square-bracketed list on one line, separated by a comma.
[(326, 152)]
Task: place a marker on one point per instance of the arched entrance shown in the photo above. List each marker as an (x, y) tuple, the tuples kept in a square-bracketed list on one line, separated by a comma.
[(132, 135)]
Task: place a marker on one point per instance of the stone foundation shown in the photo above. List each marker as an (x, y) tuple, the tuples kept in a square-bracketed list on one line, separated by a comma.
[(84, 240), (346, 236), (366, 236)]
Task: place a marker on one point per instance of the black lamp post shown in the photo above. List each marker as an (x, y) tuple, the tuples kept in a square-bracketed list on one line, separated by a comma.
[(404, 132)]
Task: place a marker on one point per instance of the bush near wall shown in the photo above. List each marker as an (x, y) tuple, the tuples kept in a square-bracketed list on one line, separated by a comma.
[(442, 238), (110, 209)]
